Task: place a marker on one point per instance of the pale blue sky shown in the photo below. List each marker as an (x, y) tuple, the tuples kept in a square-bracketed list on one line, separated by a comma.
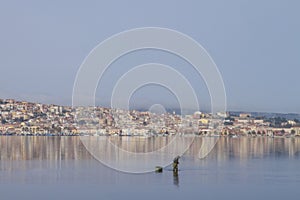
[(255, 45)]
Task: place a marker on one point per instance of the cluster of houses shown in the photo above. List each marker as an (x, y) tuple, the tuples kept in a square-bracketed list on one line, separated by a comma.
[(25, 118), (244, 124)]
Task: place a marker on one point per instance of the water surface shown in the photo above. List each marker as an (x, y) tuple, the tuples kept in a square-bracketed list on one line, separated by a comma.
[(237, 168)]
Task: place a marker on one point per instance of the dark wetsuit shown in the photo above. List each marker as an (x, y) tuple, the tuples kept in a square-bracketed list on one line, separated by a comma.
[(175, 164)]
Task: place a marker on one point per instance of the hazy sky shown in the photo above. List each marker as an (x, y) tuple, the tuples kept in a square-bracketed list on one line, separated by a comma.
[(255, 44)]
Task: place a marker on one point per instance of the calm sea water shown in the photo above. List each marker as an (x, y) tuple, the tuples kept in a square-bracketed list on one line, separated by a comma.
[(237, 168)]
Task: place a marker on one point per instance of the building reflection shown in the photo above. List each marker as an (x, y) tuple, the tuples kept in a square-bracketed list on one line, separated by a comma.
[(245, 148), (71, 148), (41, 148)]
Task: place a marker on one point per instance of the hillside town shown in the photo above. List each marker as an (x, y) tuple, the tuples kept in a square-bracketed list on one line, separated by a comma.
[(35, 119)]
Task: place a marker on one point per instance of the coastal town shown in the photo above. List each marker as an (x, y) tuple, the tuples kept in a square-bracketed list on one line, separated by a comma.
[(36, 119)]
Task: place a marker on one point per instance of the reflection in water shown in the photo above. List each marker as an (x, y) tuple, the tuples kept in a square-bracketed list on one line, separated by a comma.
[(247, 148), (52, 151), (243, 161), (134, 155), (175, 178), (71, 148), (26, 155), (137, 144), (41, 148)]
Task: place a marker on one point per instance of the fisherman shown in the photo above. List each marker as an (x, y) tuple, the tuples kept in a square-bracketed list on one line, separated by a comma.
[(175, 164)]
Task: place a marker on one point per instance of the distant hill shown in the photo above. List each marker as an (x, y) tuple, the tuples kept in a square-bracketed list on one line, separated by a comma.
[(289, 116)]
